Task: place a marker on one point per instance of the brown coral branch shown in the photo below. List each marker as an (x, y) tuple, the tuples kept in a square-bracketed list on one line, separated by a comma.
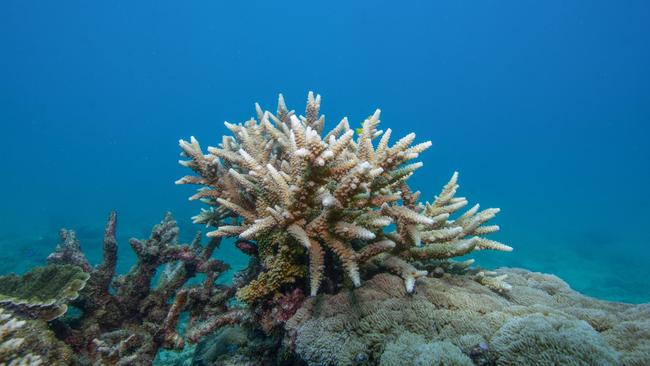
[(106, 270), (68, 251), (211, 325), (128, 324), (171, 339)]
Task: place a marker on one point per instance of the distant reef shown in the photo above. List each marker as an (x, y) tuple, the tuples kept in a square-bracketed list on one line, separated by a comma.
[(347, 267)]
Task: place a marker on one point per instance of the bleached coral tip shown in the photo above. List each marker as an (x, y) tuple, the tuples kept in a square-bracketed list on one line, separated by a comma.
[(356, 280), (409, 284), (327, 154), (302, 152), (377, 171), (329, 201)]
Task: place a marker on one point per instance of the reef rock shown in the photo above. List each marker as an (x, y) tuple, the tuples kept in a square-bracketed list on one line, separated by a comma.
[(454, 320)]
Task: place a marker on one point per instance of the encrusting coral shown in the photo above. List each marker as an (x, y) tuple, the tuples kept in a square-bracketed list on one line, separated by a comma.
[(541, 321), (126, 319), (413, 349), (43, 292), (304, 195)]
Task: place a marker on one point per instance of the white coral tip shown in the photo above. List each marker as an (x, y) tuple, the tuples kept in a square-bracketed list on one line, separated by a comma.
[(328, 154), (302, 152), (329, 201), (356, 279), (376, 172), (409, 283)]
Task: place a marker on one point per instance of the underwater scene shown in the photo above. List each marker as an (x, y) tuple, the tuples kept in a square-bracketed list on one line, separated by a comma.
[(297, 183)]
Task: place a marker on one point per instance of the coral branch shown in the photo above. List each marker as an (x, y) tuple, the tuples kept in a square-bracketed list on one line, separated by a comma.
[(284, 183), (233, 317), (125, 320), (68, 251)]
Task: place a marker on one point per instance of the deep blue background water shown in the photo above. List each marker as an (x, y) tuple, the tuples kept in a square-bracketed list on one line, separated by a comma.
[(543, 106)]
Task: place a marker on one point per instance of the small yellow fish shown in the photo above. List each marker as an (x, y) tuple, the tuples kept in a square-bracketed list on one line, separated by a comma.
[(360, 129)]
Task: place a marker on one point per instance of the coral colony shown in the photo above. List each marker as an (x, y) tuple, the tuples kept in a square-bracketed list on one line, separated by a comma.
[(301, 194), (347, 267)]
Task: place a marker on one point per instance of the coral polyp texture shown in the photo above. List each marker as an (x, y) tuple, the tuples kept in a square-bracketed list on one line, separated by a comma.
[(453, 320), (317, 203)]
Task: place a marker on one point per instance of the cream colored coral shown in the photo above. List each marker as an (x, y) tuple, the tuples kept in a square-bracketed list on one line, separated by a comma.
[(282, 174), (13, 350), (493, 281)]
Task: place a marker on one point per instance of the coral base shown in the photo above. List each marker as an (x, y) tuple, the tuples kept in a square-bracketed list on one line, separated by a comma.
[(453, 320)]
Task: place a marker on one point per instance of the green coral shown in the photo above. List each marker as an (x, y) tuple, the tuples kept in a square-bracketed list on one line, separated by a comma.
[(42, 292)]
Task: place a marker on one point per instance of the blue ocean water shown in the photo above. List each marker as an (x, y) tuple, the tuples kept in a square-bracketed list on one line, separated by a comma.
[(543, 107)]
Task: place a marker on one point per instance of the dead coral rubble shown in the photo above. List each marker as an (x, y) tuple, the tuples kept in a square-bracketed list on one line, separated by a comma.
[(126, 319), (305, 195)]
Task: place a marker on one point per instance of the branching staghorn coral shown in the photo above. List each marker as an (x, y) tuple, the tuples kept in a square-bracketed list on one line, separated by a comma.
[(300, 192), (126, 319)]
